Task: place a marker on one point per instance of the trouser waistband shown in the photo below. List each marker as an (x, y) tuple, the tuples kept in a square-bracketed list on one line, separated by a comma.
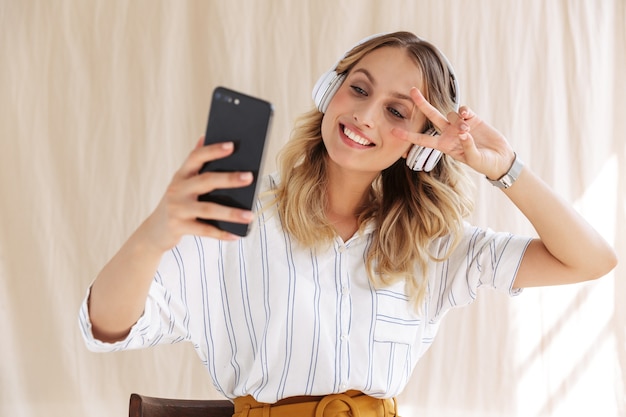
[(350, 403)]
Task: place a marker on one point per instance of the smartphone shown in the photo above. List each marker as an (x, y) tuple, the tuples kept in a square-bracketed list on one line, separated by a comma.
[(245, 121)]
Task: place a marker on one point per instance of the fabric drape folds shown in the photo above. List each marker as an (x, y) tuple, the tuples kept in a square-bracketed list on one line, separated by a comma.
[(102, 100)]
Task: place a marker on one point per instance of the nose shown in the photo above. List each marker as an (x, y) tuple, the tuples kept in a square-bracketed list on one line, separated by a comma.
[(365, 115)]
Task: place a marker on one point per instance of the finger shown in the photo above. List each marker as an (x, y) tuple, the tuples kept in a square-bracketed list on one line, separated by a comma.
[(431, 113), (203, 154), (215, 211), (210, 181), (466, 113), (470, 151), (455, 120), (422, 139), (182, 194), (197, 228), (470, 117)]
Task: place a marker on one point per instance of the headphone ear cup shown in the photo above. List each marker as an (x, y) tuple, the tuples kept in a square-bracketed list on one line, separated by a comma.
[(433, 158), (325, 88), (417, 157), (421, 158)]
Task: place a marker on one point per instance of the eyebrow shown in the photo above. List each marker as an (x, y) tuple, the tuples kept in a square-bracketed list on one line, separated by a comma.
[(373, 81)]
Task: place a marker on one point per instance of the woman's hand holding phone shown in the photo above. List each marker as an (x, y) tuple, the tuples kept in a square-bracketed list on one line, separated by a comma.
[(177, 212)]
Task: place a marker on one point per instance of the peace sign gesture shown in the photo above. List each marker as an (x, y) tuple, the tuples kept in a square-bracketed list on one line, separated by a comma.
[(464, 136)]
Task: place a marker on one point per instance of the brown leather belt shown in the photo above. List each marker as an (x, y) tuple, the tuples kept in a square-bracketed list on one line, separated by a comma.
[(350, 403)]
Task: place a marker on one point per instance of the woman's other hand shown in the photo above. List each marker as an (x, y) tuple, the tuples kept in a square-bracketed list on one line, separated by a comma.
[(464, 136)]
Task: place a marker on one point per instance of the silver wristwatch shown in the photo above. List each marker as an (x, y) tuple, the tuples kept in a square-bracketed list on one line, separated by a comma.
[(510, 177)]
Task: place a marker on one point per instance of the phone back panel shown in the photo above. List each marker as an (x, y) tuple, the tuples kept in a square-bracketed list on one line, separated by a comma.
[(245, 121)]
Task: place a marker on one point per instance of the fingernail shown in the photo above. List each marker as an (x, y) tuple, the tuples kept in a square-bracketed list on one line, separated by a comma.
[(245, 176), (230, 236), (398, 133), (247, 215), (227, 145)]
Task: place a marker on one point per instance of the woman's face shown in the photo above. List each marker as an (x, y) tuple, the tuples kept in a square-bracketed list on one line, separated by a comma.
[(373, 99)]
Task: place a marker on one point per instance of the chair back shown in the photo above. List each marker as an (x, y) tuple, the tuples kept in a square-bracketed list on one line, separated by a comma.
[(144, 406)]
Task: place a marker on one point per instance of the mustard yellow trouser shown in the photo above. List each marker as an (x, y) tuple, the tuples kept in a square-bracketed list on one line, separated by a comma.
[(348, 404)]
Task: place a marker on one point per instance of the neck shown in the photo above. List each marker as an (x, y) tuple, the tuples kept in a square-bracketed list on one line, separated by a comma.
[(347, 192)]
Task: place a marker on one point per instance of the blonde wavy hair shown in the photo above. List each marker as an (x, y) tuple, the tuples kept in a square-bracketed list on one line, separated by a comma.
[(409, 208)]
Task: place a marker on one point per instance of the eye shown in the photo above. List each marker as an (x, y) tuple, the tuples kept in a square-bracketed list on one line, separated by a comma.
[(358, 90), (395, 113)]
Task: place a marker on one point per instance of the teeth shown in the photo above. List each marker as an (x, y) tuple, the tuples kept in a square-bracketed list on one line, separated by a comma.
[(356, 138)]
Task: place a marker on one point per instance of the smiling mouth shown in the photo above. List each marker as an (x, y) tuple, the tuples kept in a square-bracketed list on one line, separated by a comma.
[(355, 137)]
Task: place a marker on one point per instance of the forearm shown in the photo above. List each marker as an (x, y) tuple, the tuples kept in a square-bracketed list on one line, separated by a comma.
[(579, 252), (568, 249), (118, 295)]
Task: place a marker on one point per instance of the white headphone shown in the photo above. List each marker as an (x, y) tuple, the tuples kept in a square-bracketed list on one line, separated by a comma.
[(419, 157)]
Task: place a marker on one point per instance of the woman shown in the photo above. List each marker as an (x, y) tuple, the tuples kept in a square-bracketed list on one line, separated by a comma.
[(354, 257)]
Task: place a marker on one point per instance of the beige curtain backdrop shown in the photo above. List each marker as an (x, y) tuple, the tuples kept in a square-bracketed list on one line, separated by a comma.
[(100, 102)]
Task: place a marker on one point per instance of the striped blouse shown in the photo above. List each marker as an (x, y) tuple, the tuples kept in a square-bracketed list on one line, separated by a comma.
[(272, 319)]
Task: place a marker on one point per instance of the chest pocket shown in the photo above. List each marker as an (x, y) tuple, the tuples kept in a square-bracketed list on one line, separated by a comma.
[(396, 318)]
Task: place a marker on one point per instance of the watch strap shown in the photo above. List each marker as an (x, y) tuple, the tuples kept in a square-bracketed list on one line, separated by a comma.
[(511, 176)]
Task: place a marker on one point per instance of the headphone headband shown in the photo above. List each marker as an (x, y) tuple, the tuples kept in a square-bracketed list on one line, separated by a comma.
[(328, 84)]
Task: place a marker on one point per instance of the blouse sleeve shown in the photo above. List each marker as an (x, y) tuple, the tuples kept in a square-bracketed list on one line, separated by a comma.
[(483, 258), (155, 326), (165, 318)]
